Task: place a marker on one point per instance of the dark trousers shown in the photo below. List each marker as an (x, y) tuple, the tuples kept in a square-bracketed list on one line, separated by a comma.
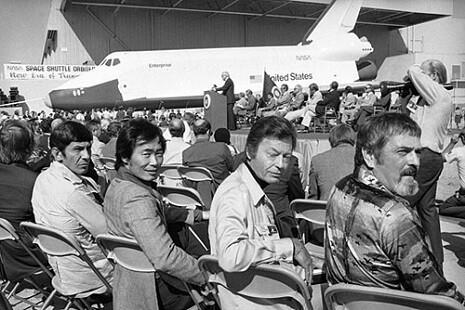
[(431, 165), (231, 118), (454, 205)]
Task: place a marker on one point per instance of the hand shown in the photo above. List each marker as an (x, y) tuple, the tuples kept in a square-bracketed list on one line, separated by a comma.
[(454, 139), (303, 258)]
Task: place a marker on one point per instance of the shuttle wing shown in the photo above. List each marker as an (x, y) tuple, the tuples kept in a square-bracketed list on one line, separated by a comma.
[(338, 18)]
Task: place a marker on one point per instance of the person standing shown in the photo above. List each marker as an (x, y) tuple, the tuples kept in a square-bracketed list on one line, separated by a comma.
[(432, 115), (228, 90)]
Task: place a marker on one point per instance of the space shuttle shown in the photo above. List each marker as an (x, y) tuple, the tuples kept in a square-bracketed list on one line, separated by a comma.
[(329, 51)]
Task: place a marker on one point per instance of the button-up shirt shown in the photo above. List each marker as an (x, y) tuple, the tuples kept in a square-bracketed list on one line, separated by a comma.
[(174, 149), (243, 232), (374, 238), (68, 202)]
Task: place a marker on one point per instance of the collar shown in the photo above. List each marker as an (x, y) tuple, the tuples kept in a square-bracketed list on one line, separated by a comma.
[(260, 182), (367, 177), (126, 175), (255, 190), (66, 173)]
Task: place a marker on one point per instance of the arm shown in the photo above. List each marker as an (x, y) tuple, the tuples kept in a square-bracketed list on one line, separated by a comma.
[(312, 183), (229, 159), (294, 188), (225, 87), (426, 87), (87, 211), (449, 147), (407, 249), (142, 216), (236, 250)]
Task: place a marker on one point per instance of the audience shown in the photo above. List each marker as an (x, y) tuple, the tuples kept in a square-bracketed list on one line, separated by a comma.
[(65, 199), (175, 146), (16, 183), (109, 149), (215, 156), (373, 236), (134, 209), (323, 174)]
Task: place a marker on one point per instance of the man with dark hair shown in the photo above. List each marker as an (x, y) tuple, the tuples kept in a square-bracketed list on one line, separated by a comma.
[(215, 156), (65, 199), (433, 113), (243, 228), (175, 146), (373, 235), (323, 174)]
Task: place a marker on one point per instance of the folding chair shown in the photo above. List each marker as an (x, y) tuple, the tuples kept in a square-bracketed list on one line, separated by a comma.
[(169, 175), (313, 211), (56, 243), (355, 297), (183, 197), (8, 232), (201, 179), (128, 254), (262, 281)]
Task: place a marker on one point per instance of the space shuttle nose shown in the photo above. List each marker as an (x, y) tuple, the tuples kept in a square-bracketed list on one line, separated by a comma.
[(48, 102)]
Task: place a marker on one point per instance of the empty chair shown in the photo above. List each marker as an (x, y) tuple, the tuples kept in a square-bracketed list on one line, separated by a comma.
[(314, 212), (356, 297), (201, 179), (262, 282), (56, 243)]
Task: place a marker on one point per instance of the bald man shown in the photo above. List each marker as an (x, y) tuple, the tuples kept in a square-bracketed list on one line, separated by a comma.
[(215, 156), (175, 146)]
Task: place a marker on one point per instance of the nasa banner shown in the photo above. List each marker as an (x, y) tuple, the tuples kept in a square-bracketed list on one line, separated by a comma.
[(43, 72)]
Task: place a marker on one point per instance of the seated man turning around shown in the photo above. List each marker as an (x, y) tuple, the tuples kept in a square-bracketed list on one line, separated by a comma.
[(243, 229), (63, 198), (373, 236)]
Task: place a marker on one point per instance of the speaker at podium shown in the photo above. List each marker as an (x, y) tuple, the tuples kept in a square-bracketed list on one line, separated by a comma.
[(215, 109)]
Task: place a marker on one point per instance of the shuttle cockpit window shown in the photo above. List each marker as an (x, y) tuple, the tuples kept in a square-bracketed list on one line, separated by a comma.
[(116, 61), (108, 63)]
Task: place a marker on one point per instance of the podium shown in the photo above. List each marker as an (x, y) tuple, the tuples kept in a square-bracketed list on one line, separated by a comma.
[(215, 109)]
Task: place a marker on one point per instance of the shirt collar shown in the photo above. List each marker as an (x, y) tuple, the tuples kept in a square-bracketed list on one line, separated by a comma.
[(367, 177), (126, 175), (66, 172), (255, 190)]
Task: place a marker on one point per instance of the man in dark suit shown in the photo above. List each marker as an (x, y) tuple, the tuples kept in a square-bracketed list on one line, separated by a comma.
[(228, 90), (327, 168)]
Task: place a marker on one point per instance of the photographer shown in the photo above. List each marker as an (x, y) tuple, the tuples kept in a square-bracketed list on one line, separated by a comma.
[(432, 115)]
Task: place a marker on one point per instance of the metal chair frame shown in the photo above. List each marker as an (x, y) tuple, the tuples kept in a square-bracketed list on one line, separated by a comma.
[(56, 243), (261, 281)]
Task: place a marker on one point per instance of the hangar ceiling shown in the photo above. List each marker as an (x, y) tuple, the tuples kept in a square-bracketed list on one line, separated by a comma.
[(255, 9)]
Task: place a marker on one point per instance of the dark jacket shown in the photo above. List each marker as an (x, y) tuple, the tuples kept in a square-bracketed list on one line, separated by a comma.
[(228, 90)]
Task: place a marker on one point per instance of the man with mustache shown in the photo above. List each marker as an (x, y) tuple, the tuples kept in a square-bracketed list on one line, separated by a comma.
[(373, 236), (63, 198)]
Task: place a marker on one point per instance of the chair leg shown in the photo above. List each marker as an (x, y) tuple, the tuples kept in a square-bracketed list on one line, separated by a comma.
[(12, 292), (48, 300), (198, 239)]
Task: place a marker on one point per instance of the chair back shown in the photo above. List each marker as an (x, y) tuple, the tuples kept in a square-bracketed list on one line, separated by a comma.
[(311, 210), (108, 162), (125, 252), (7, 231), (262, 281), (200, 179), (181, 196), (195, 174), (57, 243), (356, 297)]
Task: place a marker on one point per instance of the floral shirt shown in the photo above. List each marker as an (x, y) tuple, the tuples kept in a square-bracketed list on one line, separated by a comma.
[(374, 238)]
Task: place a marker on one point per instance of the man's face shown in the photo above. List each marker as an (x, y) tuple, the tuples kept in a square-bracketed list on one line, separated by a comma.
[(76, 156), (146, 160), (398, 164), (272, 159), (224, 76), (427, 70)]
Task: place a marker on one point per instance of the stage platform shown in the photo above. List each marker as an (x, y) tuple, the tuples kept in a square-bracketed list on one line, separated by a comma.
[(308, 145)]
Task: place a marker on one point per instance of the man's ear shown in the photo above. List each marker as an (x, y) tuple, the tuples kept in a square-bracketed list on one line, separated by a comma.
[(57, 154), (125, 161), (369, 159)]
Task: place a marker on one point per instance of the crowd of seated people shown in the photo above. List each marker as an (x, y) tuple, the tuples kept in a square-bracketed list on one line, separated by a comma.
[(373, 235)]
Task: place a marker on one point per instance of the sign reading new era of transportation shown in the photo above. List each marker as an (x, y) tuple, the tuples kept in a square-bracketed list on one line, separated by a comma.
[(43, 72)]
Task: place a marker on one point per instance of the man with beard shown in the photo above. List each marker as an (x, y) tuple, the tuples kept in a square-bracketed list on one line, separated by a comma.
[(373, 236)]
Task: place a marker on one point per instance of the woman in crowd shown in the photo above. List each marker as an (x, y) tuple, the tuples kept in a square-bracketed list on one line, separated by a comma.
[(134, 209)]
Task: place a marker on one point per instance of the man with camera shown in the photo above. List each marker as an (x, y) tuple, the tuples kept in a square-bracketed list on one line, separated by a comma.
[(434, 108)]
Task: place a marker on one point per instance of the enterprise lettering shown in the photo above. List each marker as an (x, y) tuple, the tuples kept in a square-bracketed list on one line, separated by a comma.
[(159, 65)]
